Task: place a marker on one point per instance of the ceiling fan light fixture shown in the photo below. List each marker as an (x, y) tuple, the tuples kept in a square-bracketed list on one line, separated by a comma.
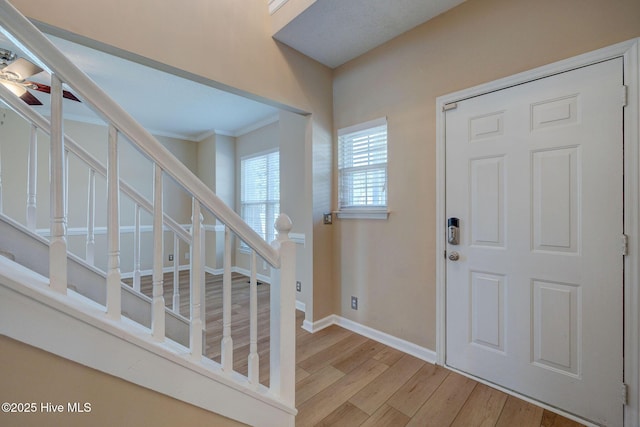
[(7, 56), (11, 76), (16, 89)]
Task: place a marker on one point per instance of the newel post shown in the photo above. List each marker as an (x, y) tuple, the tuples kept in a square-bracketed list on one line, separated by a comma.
[(283, 315), (58, 241)]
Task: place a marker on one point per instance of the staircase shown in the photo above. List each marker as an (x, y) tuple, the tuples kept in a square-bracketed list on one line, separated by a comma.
[(73, 303)]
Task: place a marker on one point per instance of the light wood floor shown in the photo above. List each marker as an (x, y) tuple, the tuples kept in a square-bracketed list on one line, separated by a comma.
[(345, 379)]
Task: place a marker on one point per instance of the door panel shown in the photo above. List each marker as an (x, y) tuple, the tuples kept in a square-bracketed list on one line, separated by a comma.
[(534, 302)]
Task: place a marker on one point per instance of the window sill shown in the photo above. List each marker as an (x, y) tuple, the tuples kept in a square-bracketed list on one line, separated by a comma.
[(363, 214)]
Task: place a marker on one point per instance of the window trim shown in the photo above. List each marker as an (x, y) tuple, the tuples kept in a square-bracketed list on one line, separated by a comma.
[(243, 247), (364, 212)]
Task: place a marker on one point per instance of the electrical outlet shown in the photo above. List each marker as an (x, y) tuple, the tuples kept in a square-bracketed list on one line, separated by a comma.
[(298, 286), (354, 303), (170, 257), (328, 218)]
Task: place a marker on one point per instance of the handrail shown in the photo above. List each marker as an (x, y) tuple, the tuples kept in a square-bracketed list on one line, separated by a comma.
[(13, 21), (42, 123)]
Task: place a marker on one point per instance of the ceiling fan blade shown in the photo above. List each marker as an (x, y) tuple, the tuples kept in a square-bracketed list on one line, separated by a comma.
[(69, 95), (47, 89), (22, 68), (30, 99)]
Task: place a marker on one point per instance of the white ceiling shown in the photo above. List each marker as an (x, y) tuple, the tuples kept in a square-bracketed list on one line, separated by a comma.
[(335, 31), (330, 31)]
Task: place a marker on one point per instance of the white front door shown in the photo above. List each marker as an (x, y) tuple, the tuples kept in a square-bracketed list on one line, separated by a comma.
[(534, 303)]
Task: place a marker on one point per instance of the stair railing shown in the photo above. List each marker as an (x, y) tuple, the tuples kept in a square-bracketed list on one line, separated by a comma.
[(280, 255), (142, 204)]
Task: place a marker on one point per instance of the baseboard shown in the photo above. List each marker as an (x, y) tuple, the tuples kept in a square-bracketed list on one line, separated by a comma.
[(215, 271), (260, 277), (374, 334), (129, 274), (301, 306)]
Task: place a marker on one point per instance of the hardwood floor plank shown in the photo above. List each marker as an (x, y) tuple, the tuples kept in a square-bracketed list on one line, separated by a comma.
[(415, 392), (332, 353), (347, 415), (358, 356), (301, 374), (550, 419), (520, 413), (482, 408), (328, 400), (386, 416), (443, 406), (388, 356), (315, 383), (378, 391), (308, 348)]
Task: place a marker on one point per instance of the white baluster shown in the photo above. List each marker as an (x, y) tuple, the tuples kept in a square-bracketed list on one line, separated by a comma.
[(0, 178), (227, 341), (283, 315), (32, 179), (91, 219), (254, 359), (176, 274), (196, 282), (66, 182), (113, 227), (136, 251), (157, 309), (58, 217)]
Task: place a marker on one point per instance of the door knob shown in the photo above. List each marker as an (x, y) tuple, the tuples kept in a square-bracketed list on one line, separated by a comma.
[(454, 256)]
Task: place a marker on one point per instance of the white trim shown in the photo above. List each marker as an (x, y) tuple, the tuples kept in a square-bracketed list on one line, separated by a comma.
[(630, 50), (374, 334), (214, 228), (274, 5), (129, 274), (261, 277), (204, 135), (318, 325), (363, 214), (214, 271), (257, 125), (301, 306), (128, 229), (299, 238)]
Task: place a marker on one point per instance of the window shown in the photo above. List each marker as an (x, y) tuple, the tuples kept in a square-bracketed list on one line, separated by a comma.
[(362, 170), (260, 193)]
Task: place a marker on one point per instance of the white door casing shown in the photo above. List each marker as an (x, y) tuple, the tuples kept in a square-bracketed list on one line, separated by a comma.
[(534, 304)]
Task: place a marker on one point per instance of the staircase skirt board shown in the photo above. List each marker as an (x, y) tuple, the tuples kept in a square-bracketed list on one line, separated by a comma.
[(76, 328)]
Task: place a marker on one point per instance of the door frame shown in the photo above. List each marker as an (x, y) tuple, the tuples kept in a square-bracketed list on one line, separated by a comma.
[(630, 52)]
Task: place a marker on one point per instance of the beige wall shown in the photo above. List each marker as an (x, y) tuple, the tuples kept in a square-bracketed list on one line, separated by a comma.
[(390, 265), (32, 375), (296, 197)]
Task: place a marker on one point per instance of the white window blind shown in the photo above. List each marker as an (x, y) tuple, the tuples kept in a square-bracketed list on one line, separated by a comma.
[(260, 193), (362, 165)]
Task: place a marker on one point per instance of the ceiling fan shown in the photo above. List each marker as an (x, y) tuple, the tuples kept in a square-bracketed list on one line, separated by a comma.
[(13, 74)]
